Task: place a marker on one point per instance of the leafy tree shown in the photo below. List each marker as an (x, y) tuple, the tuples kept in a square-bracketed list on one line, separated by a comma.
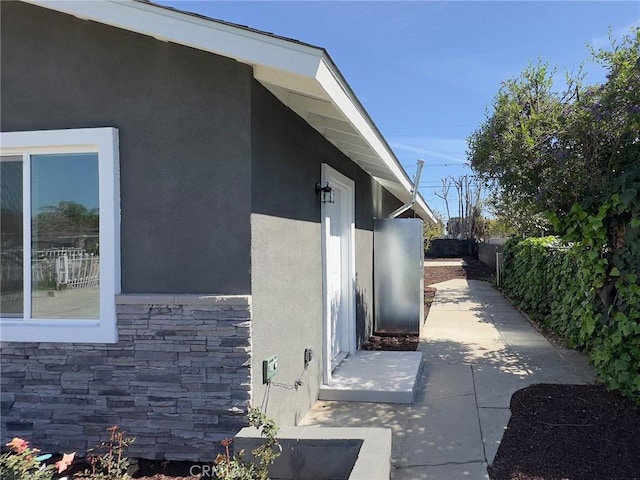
[(67, 218), (541, 151), (575, 157), (433, 230), (517, 218), (496, 227), (511, 151)]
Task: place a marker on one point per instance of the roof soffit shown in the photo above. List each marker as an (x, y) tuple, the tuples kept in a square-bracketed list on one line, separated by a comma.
[(301, 76)]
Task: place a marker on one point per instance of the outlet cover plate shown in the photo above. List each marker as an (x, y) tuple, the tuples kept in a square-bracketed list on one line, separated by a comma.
[(269, 368)]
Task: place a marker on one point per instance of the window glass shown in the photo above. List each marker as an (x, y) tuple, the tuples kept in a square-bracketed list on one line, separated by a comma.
[(59, 235), (11, 239), (65, 240)]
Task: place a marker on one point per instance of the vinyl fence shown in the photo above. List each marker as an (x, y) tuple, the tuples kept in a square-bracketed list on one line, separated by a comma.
[(66, 268)]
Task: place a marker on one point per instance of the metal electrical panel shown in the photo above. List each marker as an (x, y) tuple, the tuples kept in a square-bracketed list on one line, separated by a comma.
[(398, 275)]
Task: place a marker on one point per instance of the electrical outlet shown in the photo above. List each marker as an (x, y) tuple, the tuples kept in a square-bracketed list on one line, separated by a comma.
[(308, 356), (269, 368)]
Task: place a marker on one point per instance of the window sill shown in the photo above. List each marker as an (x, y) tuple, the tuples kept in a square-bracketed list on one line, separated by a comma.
[(58, 330)]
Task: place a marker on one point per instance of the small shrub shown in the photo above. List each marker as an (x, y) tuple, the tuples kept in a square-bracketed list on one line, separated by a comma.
[(235, 467), (109, 460), (24, 463), (587, 294)]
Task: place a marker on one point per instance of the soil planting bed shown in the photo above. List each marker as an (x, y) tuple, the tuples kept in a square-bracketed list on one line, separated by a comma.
[(167, 470), (472, 270), (577, 432)]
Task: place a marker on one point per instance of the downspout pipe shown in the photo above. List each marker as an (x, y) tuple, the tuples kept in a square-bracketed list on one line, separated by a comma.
[(414, 192)]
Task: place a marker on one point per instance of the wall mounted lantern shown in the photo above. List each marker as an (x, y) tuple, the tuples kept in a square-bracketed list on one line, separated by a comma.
[(326, 193)]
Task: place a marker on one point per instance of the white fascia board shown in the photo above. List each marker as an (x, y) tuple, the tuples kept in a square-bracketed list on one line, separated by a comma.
[(284, 63), (203, 34), (424, 210), (293, 82), (328, 77)]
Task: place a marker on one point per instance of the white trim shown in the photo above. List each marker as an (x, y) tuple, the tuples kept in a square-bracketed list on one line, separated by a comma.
[(336, 179), (291, 70), (246, 46), (327, 77), (26, 232), (104, 142)]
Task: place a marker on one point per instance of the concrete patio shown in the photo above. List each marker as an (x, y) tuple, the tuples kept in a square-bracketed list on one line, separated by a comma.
[(477, 351)]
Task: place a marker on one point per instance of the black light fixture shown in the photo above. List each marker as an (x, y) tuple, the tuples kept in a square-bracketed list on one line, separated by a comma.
[(326, 193)]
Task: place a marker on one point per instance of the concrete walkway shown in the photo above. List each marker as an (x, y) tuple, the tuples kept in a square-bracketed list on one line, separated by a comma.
[(478, 350)]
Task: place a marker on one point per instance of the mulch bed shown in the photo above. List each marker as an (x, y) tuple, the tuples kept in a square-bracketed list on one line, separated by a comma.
[(143, 470), (577, 432), (170, 470), (473, 270)]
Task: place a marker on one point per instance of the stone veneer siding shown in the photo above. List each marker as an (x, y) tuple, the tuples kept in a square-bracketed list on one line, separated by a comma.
[(178, 380)]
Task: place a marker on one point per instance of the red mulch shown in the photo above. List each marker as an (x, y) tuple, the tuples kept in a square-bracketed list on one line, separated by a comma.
[(473, 270)]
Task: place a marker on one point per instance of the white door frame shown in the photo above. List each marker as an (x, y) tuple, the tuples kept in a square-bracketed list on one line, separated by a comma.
[(347, 189)]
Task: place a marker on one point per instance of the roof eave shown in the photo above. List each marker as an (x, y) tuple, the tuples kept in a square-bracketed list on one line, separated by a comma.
[(302, 76)]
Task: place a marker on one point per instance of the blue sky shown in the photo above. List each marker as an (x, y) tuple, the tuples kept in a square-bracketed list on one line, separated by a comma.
[(64, 177), (427, 71)]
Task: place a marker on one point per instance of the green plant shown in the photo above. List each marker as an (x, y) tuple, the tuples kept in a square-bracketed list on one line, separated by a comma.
[(109, 460), (541, 151), (235, 467), (432, 231), (23, 463), (585, 291), (574, 157)]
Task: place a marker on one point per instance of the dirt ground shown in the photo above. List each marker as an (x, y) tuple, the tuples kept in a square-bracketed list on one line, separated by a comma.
[(472, 269), (556, 432), (576, 432)]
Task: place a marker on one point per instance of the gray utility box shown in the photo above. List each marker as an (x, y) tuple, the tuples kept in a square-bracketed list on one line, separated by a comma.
[(398, 275)]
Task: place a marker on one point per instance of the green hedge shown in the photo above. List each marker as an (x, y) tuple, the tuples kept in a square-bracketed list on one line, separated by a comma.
[(590, 296)]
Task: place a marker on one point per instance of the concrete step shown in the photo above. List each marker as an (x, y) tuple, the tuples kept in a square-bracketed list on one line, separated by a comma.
[(374, 376)]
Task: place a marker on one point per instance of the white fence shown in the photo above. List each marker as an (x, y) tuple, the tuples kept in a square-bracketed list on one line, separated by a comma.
[(67, 268)]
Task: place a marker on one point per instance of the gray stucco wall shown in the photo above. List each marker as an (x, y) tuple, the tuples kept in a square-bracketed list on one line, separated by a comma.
[(287, 157), (179, 377), (217, 196), (184, 124)]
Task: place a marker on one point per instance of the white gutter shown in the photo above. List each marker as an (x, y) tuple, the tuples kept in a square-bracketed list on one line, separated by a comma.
[(414, 192)]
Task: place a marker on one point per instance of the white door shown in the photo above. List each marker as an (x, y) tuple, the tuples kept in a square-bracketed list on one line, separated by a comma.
[(336, 280), (339, 274)]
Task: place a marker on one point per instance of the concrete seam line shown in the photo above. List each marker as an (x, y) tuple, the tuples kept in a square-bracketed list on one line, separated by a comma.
[(470, 462), (473, 379)]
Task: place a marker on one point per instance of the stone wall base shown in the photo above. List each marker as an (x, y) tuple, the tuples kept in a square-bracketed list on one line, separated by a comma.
[(178, 380)]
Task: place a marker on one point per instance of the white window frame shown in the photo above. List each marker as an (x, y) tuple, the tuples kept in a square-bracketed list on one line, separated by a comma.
[(104, 142)]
